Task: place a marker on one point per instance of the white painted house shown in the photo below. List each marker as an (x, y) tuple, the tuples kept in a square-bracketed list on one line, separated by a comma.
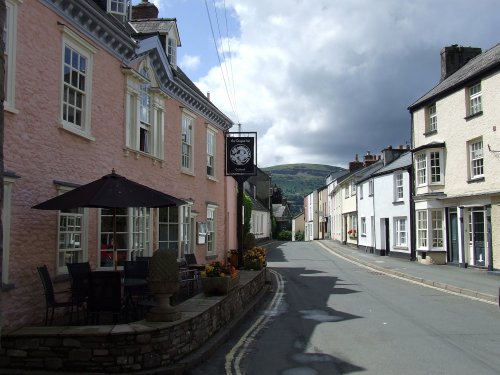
[(311, 217), (456, 158), (390, 225)]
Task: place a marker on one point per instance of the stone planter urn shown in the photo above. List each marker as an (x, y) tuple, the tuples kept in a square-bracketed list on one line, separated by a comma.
[(163, 281), (216, 286)]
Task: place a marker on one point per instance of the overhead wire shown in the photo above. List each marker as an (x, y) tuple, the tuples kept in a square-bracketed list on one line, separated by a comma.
[(231, 102)]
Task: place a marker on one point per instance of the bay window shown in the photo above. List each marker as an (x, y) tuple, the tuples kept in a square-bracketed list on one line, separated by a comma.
[(429, 167), (430, 229)]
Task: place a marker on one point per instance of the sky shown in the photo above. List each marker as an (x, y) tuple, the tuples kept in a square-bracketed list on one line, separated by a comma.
[(323, 80)]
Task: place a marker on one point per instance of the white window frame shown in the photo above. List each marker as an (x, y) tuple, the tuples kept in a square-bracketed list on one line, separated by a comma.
[(435, 167), (421, 168), (476, 159), (400, 232), (363, 226), (422, 227), (185, 231), (398, 186), (187, 142), (432, 117), (10, 40), (370, 188), (361, 191), (168, 230), (429, 166), (353, 188), (172, 50), (73, 218), (84, 49), (135, 235), (437, 228), (211, 151), (116, 4), (475, 103), (145, 107), (211, 229), (145, 129)]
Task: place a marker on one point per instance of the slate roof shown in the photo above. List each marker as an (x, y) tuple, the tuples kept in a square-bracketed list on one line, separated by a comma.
[(402, 162), (258, 205), (478, 66), (366, 172), (279, 211)]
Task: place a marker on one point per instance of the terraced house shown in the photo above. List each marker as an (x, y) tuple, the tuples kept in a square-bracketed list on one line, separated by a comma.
[(93, 85), (456, 159)]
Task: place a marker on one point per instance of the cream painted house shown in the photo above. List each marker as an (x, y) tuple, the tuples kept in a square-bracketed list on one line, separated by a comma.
[(456, 161)]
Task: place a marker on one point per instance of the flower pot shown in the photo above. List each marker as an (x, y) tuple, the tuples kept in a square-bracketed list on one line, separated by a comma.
[(218, 285)]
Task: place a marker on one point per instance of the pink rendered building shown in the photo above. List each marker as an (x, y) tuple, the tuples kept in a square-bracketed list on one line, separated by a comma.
[(88, 92)]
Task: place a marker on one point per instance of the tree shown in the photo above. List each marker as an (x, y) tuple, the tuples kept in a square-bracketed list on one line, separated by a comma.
[(277, 197)]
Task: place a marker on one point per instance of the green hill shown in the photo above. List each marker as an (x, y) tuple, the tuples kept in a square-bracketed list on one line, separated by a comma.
[(298, 180)]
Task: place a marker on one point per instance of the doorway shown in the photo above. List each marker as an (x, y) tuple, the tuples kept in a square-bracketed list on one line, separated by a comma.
[(477, 236), (453, 234)]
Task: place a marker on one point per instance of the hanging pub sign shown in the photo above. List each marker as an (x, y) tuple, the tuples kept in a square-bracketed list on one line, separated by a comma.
[(241, 150)]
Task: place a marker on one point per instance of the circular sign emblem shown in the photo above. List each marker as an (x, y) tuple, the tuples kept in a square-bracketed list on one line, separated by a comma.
[(240, 154)]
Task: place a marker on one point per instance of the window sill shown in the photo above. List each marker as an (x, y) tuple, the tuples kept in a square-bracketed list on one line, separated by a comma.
[(212, 178), (188, 172), (8, 108), (398, 203), (475, 180), (77, 132), (430, 132), (138, 154), (477, 114), (400, 247)]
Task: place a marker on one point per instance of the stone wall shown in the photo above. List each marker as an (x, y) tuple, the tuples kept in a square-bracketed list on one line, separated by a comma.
[(136, 347)]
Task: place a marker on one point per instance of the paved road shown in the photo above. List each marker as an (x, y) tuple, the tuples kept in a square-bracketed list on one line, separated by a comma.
[(331, 316)]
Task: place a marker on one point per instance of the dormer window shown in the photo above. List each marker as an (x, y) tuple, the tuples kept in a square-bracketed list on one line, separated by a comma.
[(118, 8), (172, 51)]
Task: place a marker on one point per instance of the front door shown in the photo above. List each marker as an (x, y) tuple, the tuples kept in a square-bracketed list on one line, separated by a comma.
[(453, 251), (477, 230)]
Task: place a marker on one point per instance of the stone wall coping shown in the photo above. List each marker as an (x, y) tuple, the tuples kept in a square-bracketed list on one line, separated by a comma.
[(190, 308)]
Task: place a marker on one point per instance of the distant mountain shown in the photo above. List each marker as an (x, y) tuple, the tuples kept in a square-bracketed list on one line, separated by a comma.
[(298, 180)]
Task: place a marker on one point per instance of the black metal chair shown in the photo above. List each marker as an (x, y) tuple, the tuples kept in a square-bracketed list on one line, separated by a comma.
[(50, 296), (190, 259), (79, 274), (105, 295), (135, 274)]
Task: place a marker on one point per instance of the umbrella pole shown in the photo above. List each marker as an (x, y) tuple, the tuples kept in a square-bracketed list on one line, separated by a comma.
[(115, 260)]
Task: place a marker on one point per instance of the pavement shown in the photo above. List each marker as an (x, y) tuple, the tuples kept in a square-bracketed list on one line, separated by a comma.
[(475, 283)]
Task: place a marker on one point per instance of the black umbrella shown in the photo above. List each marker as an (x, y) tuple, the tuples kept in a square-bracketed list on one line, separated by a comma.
[(111, 191)]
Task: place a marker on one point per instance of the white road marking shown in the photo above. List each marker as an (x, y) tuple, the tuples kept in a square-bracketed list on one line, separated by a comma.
[(235, 356)]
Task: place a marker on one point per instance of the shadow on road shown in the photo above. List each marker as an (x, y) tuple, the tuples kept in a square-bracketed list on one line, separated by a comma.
[(307, 305)]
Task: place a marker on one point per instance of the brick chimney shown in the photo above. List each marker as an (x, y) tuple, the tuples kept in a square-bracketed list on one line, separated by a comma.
[(454, 57), (390, 154), (355, 165), (144, 10), (369, 159)]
